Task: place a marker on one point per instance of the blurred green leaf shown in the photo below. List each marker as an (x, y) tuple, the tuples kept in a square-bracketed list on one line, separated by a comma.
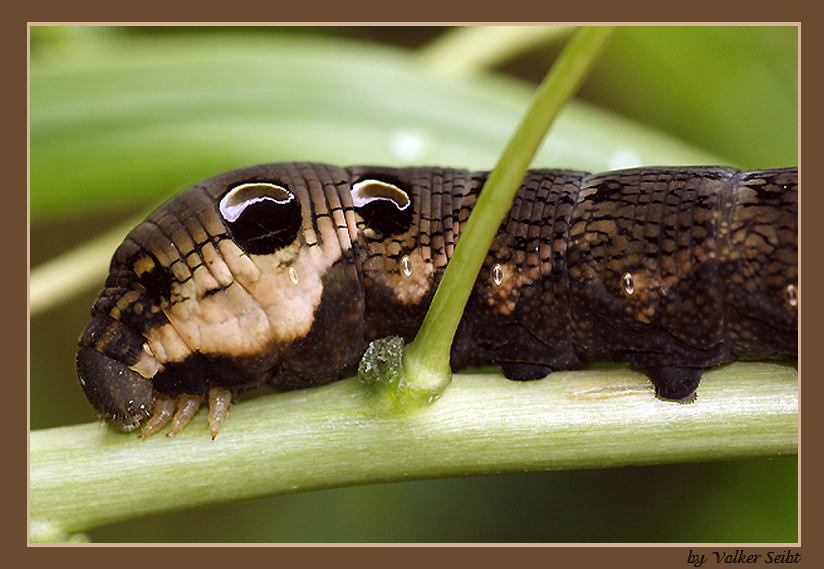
[(732, 90), (136, 118)]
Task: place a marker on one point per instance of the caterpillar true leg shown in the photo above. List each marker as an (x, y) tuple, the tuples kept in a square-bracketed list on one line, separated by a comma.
[(163, 410), (219, 401), (187, 406)]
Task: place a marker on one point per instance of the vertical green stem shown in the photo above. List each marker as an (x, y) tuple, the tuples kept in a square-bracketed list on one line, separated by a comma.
[(426, 360)]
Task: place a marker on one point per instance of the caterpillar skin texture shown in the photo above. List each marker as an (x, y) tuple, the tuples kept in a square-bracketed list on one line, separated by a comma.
[(283, 273)]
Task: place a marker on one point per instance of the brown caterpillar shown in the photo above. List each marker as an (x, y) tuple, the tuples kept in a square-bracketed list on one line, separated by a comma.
[(283, 273)]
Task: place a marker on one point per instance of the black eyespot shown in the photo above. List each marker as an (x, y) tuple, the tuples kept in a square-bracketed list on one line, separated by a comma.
[(262, 217), (384, 207)]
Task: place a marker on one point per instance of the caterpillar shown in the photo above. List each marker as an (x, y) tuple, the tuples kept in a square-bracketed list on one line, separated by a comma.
[(283, 273)]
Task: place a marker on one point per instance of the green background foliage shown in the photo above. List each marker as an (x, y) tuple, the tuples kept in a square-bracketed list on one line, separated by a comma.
[(123, 117)]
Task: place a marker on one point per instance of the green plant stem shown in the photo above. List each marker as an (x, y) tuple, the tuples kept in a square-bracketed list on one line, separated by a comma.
[(426, 359), (85, 476)]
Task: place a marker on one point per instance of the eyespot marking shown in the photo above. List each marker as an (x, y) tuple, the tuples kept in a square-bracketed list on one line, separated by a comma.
[(367, 191), (261, 216), (384, 207)]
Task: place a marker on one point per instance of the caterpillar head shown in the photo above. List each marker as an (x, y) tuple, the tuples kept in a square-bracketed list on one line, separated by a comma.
[(110, 360), (245, 278), (121, 395)]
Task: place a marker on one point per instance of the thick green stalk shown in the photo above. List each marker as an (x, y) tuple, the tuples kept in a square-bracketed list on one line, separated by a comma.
[(86, 476), (426, 359)]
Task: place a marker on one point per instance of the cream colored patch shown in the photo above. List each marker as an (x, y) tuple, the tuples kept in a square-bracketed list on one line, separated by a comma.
[(147, 365), (204, 280), (143, 265), (214, 265), (167, 345), (123, 303), (647, 291), (271, 299), (504, 283), (414, 279), (290, 307)]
